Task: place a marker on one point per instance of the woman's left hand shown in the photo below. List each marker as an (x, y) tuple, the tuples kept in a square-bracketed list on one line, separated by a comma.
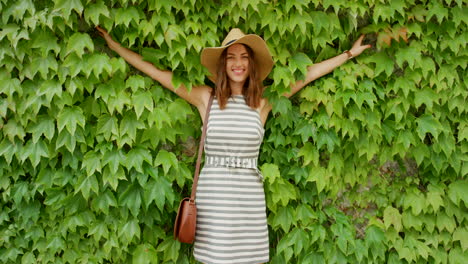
[(358, 48)]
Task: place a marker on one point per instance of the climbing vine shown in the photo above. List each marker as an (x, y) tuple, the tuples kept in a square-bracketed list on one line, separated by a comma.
[(365, 165)]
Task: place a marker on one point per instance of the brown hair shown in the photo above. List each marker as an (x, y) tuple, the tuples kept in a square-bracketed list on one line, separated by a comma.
[(252, 90)]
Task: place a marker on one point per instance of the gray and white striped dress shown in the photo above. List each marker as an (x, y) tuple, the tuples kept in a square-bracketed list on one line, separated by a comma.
[(231, 221)]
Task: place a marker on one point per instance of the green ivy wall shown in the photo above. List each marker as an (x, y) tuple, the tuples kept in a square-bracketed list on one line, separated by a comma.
[(365, 165)]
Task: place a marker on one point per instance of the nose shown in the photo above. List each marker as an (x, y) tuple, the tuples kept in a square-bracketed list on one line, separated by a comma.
[(238, 62)]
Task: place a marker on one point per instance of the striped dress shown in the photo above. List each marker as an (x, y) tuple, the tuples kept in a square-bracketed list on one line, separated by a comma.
[(231, 220)]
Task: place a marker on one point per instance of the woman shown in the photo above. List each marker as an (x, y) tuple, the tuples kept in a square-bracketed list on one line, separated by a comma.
[(231, 222)]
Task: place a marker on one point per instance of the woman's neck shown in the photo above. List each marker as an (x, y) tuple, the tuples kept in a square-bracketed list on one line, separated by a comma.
[(236, 88)]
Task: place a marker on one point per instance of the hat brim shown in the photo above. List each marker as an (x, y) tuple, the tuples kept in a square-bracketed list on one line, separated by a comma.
[(264, 62)]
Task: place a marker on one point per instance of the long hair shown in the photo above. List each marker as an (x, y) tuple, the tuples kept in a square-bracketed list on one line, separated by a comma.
[(252, 90)]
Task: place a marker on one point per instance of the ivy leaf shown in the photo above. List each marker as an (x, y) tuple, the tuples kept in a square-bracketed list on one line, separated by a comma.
[(328, 138), (43, 126), (392, 217), (130, 230), (12, 129), (50, 88), (318, 175), (126, 15), (34, 151), (76, 64), (99, 230), (103, 201), (383, 63), (112, 178), (159, 117), (434, 197), (446, 222), (141, 100), (461, 234), (427, 65), (86, 184), (107, 125), (20, 190), (67, 6), (421, 152), (282, 74), (64, 138), (118, 64), (105, 91), (310, 154), (282, 105), (416, 201), (409, 54), (41, 64), (70, 117), (144, 254), (374, 236), (457, 192), (306, 130), (270, 172), (18, 10), (113, 158), (11, 86), (167, 159), (428, 124), (94, 11), (129, 126), (97, 63), (283, 191), (135, 83), (92, 163), (29, 258), (171, 249), (283, 218), (437, 9), (158, 190), (300, 62), (172, 33), (55, 244), (135, 158), (78, 42), (131, 198), (425, 96), (179, 109), (305, 214)]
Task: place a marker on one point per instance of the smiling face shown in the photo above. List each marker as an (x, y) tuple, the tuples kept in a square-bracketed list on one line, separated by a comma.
[(237, 64)]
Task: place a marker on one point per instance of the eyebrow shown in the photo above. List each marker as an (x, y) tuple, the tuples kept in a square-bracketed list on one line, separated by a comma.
[(232, 54)]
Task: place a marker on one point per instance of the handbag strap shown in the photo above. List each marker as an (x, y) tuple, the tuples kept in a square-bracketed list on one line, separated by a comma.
[(200, 150)]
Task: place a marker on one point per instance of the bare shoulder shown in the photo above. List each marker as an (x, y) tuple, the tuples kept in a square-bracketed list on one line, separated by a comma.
[(197, 96)]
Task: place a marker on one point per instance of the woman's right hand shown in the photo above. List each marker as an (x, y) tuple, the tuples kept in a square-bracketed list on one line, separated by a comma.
[(110, 42)]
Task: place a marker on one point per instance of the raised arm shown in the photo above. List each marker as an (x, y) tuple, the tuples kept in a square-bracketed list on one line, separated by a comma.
[(198, 96), (320, 69), (316, 71)]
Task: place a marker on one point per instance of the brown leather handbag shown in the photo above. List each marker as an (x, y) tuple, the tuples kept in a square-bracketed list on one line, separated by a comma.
[(186, 219)]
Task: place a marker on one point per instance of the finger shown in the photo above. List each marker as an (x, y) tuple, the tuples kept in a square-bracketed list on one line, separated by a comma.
[(359, 40), (101, 30)]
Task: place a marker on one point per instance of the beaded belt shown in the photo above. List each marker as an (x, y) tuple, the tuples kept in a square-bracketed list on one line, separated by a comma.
[(236, 162)]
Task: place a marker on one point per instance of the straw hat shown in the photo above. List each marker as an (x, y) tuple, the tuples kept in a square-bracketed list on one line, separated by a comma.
[(263, 60)]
